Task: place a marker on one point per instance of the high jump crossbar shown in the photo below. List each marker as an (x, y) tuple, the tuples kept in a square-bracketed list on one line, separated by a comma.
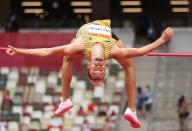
[(170, 54), (3, 49)]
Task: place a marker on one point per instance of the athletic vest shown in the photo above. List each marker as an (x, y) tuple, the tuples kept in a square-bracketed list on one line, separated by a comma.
[(97, 31)]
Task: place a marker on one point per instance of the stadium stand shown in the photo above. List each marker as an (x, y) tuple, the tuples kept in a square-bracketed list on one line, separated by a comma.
[(34, 93), (173, 80)]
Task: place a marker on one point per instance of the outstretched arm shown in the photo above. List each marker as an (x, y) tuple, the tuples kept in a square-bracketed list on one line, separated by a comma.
[(71, 49), (134, 52)]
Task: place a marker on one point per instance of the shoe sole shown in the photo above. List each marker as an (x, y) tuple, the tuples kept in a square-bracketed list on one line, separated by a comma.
[(63, 111), (133, 122)]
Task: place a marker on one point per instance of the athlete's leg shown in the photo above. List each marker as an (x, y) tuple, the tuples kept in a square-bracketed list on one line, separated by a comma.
[(128, 66), (67, 66), (66, 75), (130, 113)]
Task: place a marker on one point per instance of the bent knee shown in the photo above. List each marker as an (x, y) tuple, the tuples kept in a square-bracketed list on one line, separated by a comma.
[(130, 63), (68, 58)]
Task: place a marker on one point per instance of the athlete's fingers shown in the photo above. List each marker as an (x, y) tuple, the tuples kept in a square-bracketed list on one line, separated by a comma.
[(13, 48), (169, 31), (9, 52), (167, 34)]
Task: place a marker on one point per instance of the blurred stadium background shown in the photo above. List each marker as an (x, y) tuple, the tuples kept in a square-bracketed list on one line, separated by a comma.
[(34, 84)]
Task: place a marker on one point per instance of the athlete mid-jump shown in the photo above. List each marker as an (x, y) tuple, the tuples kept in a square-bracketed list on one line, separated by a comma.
[(95, 42)]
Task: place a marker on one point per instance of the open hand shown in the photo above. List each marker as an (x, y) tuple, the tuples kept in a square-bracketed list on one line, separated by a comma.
[(11, 50), (167, 34)]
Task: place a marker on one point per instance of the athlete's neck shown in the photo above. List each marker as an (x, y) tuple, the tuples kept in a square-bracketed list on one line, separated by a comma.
[(97, 51)]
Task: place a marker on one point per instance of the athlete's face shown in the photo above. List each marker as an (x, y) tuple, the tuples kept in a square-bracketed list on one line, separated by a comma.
[(97, 69)]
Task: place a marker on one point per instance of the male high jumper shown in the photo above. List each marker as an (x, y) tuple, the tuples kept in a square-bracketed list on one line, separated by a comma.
[(94, 41)]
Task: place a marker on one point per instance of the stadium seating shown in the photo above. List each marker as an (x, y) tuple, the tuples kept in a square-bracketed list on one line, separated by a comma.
[(172, 81), (35, 92)]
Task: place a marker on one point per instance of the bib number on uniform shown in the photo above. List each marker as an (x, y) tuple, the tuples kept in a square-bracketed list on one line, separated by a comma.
[(98, 29)]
